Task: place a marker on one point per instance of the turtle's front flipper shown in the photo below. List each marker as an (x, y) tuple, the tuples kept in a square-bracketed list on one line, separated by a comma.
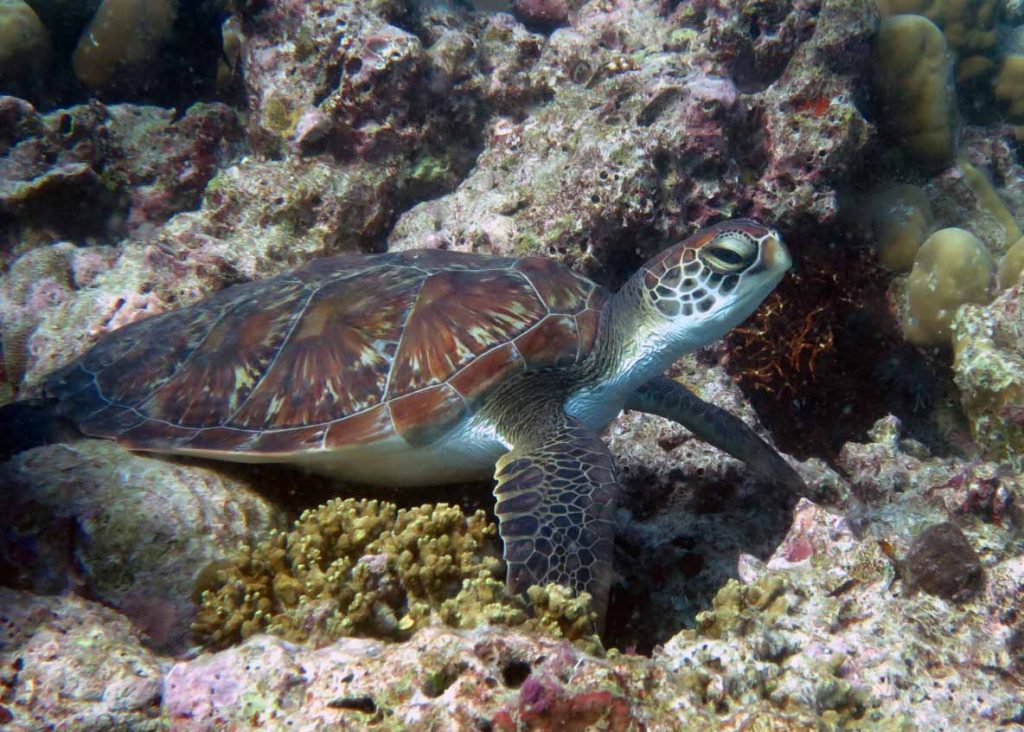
[(670, 399), (557, 491)]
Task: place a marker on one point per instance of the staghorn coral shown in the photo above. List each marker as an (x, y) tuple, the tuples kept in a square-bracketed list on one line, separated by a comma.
[(367, 568)]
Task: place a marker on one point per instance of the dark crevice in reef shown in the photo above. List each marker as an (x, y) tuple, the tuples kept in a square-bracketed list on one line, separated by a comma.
[(824, 358), (667, 575)]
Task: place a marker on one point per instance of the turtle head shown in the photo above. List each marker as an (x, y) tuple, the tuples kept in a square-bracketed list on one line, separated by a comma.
[(696, 291)]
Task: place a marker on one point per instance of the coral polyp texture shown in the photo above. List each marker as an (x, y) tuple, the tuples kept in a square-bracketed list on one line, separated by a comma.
[(123, 37), (988, 343), (901, 218), (367, 568), (24, 46)]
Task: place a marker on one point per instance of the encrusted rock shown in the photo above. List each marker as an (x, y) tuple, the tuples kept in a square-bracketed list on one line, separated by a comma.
[(989, 370), (131, 531), (652, 124), (942, 562), (67, 663), (94, 171)]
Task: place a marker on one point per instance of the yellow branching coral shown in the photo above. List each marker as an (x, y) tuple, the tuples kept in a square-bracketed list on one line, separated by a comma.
[(366, 568), (349, 567)]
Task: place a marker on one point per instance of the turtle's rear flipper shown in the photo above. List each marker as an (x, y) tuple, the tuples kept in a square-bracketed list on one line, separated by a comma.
[(32, 423)]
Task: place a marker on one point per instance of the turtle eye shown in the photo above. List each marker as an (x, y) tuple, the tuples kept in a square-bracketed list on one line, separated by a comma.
[(728, 253)]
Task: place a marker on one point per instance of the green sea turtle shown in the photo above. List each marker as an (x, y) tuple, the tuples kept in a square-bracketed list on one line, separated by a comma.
[(429, 367)]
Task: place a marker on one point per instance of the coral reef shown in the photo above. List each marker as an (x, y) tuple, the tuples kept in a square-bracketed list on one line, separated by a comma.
[(93, 171), (596, 133), (652, 124), (827, 630), (820, 634), (349, 567), (69, 663), (130, 531)]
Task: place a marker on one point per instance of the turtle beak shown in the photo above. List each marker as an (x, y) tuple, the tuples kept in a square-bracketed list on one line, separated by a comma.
[(774, 255)]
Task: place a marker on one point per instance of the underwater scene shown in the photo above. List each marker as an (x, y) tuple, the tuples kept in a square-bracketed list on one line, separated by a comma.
[(515, 365)]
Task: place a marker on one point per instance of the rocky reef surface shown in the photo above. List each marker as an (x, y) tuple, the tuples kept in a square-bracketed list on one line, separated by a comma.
[(149, 594)]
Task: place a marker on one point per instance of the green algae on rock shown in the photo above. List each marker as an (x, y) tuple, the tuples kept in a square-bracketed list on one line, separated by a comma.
[(367, 568)]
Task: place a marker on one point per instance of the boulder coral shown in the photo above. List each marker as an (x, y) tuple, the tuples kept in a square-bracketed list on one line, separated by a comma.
[(24, 46), (901, 218), (913, 78), (989, 201), (968, 25), (952, 268), (122, 39), (1011, 266)]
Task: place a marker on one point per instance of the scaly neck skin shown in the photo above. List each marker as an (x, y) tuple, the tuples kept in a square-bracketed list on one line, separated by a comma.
[(634, 344)]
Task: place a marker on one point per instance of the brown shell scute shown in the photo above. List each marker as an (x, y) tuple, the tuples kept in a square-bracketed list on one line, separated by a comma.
[(345, 351), (337, 358), (457, 316)]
